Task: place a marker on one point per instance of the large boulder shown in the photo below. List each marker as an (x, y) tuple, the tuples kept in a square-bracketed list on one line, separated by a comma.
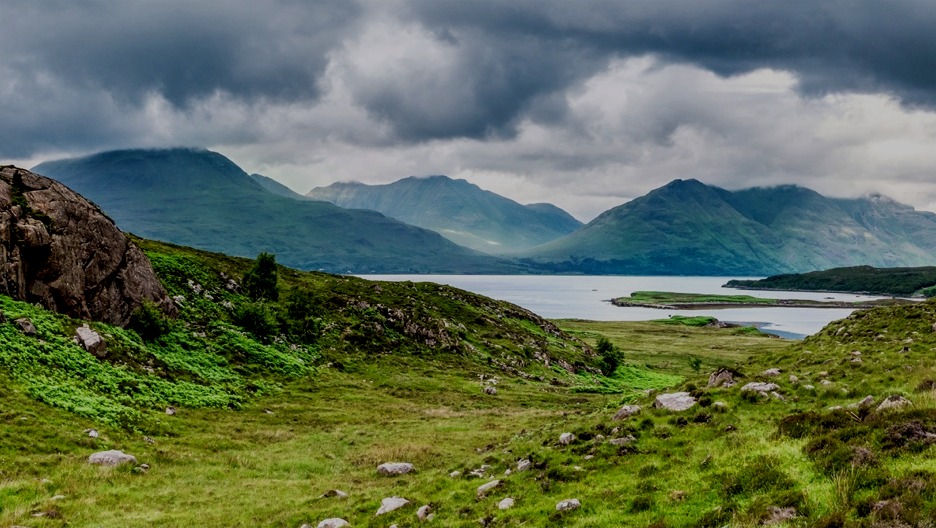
[(390, 504), (61, 251), (676, 401), (111, 458), (91, 341), (392, 469)]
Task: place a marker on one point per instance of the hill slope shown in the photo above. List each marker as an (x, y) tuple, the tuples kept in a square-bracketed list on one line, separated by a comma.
[(858, 279), (202, 199), (458, 210), (687, 227)]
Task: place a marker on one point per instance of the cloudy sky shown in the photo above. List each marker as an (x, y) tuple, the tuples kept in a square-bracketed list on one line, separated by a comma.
[(583, 104)]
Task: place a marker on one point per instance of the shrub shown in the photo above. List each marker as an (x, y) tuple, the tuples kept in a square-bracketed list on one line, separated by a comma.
[(148, 321), (260, 280), (257, 319), (609, 356)]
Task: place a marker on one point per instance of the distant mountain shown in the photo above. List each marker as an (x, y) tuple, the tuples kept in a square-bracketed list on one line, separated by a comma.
[(687, 227), (201, 199), (276, 187), (460, 211)]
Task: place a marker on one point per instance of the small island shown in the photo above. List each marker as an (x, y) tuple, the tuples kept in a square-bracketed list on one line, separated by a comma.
[(698, 301)]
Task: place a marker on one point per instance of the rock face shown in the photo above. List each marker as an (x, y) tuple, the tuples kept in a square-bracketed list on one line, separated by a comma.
[(59, 250), (111, 458), (676, 401)]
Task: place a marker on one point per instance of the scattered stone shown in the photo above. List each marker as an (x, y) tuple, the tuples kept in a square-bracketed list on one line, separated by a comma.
[(720, 405), (423, 512), (149, 440), (395, 468), (490, 390), (793, 379), (170, 410), (524, 464), (763, 388), (825, 383), (26, 326), (507, 472), (770, 373), (390, 504), (145, 467), (627, 440), (678, 495), (91, 341), (777, 396), (566, 438), (332, 523), (599, 437), (481, 472), (894, 402), (676, 401), (824, 374), (179, 300), (722, 377), (588, 457), (111, 458), (568, 504), (779, 515), (506, 504), (92, 433), (856, 360), (809, 387), (855, 353), (484, 488), (865, 403), (626, 412), (336, 493), (455, 474), (616, 430)]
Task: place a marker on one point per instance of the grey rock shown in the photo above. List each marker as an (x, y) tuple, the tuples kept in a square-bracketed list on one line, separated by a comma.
[(111, 458), (455, 474), (568, 504), (771, 372), (390, 504), (333, 523), (626, 412), (793, 379), (623, 441), (484, 488), (722, 378), (566, 438), (423, 512), (809, 387), (336, 493), (61, 251), (720, 405), (825, 383), (92, 433), (506, 504), (676, 401), (866, 402), (26, 326), (490, 390), (894, 402), (91, 341), (763, 388), (395, 468), (170, 410), (524, 464)]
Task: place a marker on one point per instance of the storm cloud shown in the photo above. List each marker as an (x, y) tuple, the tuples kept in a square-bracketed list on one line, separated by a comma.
[(586, 104)]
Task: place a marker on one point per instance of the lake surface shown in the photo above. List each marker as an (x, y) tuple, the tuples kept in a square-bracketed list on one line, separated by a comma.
[(587, 297)]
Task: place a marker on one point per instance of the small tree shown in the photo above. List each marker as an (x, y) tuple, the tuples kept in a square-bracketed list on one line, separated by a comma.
[(260, 280), (609, 357)]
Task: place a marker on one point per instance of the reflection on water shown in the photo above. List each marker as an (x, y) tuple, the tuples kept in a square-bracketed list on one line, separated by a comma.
[(586, 297)]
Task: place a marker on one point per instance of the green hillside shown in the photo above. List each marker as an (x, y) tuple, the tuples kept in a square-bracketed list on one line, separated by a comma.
[(858, 279), (201, 199), (458, 210), (690, 228)]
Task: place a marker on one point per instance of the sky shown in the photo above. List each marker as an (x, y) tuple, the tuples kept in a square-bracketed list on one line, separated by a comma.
[(584, 104)]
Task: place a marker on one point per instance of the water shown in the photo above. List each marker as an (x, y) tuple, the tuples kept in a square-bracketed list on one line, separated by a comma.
[(587, 297)]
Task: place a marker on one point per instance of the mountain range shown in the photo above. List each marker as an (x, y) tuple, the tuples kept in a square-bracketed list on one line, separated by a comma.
[(458, 210), (689, 228), (202, 199)]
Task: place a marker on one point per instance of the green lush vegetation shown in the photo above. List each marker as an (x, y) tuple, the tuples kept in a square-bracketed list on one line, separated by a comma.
[(655, 299), (341, 374), (859, 279)]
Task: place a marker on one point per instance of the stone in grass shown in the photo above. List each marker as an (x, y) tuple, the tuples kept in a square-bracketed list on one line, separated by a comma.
[(623, 441), (760, 387), (506, 504), (771, 372), (566, 438), (524, 464), (568, 505), (484, 488), (395, 468), (490, 390), (722, 377), (336, 493), (332, 523), (390, 504), (424, 512), (626, 412), (26, 326), (676, 401), (894, 402), (91, 341), (111, 458)]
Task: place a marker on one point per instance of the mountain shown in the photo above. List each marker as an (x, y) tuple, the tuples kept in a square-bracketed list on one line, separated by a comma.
[(919, 282), (458, 210), (202, 199), (689, 228), (276, 187)]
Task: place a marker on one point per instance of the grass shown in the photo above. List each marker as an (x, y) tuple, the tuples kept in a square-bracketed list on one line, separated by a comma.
[(269, 460)]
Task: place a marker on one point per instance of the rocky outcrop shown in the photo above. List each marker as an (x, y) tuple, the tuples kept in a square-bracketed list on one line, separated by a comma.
[(59, 250), (677, 401)]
